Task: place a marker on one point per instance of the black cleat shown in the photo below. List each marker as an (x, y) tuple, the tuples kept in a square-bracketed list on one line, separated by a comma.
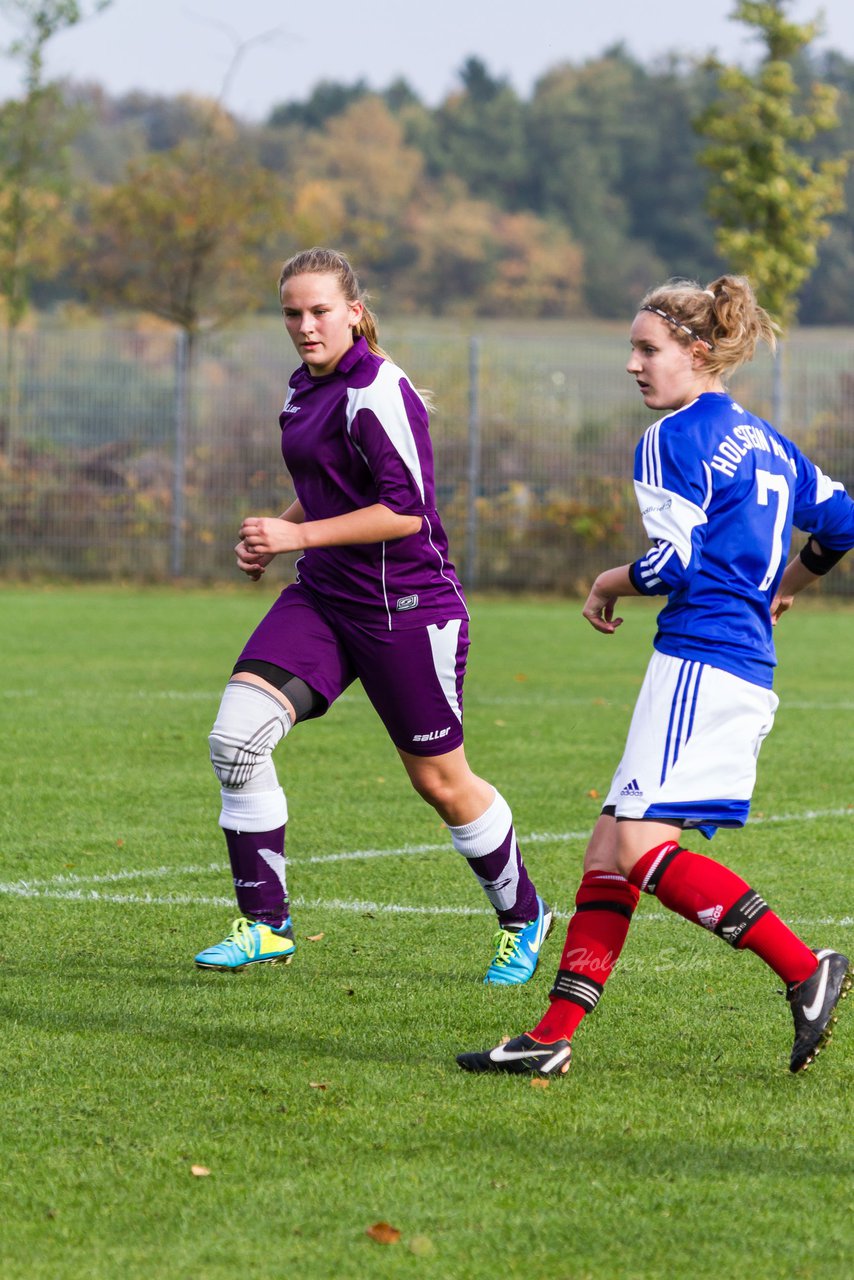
[(522, 1056), (813, 1003)]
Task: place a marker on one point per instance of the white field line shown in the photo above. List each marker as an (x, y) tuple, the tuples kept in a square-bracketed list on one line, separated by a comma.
[(354, 855), (72, 887), (809, 815), (473, 699), (349, 906)]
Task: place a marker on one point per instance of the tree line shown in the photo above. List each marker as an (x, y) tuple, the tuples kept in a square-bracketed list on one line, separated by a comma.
[(567, 202)]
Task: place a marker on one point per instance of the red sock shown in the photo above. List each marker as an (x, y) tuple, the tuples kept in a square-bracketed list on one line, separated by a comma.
[(604, 906), (711, 895)]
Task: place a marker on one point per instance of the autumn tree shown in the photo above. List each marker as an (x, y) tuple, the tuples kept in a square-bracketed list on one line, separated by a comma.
[(33, 172), (538, 269), (470, 258), (354, 182), (452, 237), (188, 235), (770, 200)]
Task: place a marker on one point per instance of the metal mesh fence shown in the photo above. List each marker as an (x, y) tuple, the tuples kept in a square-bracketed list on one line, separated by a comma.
[(120, 459)]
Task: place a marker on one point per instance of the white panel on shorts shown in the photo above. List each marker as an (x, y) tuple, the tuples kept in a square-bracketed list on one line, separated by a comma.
[(443, 642), (694, 737)]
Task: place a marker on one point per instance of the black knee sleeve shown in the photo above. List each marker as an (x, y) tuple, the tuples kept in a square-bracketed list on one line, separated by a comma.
[(306, 702)]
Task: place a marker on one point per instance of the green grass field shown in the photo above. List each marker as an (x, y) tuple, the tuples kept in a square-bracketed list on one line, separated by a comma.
[(324, 1097)]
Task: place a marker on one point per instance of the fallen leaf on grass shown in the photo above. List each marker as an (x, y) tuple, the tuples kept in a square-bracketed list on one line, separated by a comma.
[(421, 1246), (317, 1084), (315, 937), (383, 1233), (593, 793), (539, 1083), (199, 1171)]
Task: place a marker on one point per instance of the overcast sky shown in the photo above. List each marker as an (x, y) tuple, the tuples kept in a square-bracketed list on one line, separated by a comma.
[(174, 46)]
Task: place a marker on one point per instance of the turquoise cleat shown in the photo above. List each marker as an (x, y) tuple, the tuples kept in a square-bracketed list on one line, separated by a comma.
[(250, 942), (517, 950)]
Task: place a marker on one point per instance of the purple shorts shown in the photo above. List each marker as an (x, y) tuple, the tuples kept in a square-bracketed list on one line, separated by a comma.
[(413, 677)]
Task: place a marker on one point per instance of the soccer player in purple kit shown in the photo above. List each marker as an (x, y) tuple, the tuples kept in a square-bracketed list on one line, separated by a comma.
[(719, 491), (376, 599)]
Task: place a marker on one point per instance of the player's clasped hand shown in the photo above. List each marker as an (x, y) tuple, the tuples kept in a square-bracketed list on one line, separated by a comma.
[(599, 607), (251, 562), (262, 538)]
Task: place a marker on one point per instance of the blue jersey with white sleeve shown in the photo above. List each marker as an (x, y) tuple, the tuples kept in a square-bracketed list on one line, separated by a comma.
[(719, 491)]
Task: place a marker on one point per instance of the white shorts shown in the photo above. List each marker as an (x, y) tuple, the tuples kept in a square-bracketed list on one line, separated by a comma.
[(692, 747)]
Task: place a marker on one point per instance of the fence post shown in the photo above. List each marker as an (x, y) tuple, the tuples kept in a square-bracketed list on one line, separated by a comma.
[(778, 388), (179, 459), (10, 437), (473, 463)]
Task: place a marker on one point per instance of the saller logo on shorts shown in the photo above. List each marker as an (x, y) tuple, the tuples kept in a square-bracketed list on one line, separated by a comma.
[(406, 602), (431, 737)]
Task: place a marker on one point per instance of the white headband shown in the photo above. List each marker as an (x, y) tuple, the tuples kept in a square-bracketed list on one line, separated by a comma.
[(677, 324)]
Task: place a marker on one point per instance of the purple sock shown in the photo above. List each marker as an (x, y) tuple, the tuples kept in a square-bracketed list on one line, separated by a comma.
[(489, 846), (258, 866)]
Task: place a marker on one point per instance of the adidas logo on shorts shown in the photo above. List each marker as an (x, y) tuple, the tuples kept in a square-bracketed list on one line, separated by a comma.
[(632, 789)]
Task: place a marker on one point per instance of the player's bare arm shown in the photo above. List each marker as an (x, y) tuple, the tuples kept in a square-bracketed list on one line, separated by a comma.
[(813, 562), (795, 577), (377, 523), (604, 594)]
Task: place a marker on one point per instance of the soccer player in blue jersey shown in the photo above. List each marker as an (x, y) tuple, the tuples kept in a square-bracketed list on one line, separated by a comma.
[(719, 490), (376, 599)]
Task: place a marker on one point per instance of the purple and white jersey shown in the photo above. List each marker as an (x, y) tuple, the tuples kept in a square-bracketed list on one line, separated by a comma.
[(355, 437)]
